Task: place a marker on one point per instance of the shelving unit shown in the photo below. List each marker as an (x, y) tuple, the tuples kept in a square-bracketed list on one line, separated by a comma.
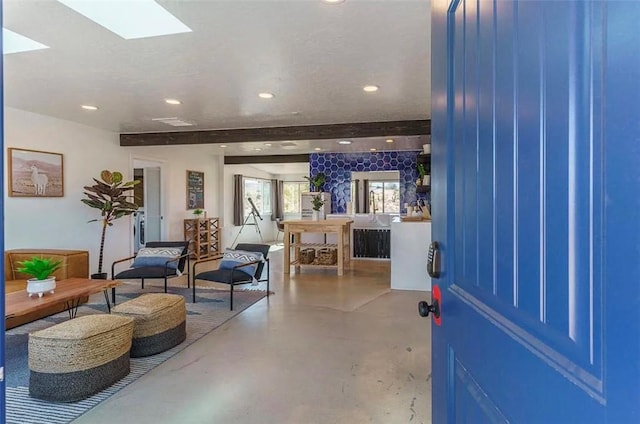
[(203, 235), (342, 227), (424, 159)]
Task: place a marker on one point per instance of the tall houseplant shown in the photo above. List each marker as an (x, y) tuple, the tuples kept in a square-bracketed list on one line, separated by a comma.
[(111, 196)]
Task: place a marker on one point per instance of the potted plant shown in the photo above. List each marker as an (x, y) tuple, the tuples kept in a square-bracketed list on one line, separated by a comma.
[(198, 213), (316, 204), (316, 181), (424, 178), (110, 196), (41, 269)]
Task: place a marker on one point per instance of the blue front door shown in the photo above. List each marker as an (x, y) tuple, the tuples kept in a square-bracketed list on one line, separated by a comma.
[(536, 204)]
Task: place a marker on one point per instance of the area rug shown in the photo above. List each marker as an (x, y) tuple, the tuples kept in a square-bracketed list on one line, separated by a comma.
[(210, 311)]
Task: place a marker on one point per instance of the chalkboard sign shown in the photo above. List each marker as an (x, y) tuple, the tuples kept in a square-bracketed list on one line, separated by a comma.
[(195, 190)]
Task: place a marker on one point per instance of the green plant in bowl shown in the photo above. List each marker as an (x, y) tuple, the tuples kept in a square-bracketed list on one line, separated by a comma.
[(39, 268)]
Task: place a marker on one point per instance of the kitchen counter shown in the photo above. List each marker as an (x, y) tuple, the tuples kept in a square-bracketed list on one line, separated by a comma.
[(340, 227), (410, 242)]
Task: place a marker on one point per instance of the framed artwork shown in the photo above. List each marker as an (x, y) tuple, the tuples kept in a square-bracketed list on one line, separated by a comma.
[(33, 173), (195, 190)]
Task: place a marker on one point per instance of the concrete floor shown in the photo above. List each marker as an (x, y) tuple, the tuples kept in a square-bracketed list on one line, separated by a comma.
[(323, 349)]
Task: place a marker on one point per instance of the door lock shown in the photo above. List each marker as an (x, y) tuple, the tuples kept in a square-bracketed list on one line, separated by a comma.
[(433, 260)]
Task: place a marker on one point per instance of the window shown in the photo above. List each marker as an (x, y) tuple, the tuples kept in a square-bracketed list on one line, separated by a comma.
[(260, 193), (291, 193), (385, 196)]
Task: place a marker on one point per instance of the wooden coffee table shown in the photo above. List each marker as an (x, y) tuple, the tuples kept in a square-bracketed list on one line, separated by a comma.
[(67, 292)]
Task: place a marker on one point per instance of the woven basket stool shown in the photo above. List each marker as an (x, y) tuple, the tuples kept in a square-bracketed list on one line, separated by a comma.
[(80, 357), (159, 322)]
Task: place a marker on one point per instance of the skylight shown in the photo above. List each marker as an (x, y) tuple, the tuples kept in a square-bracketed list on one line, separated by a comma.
[(129, 19), (13, 42)]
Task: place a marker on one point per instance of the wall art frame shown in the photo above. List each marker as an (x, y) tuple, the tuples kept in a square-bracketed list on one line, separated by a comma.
[(195, 190), (35, 173)]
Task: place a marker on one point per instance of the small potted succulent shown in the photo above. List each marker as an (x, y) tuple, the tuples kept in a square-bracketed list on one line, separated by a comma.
[(41, 269), (198, 213)]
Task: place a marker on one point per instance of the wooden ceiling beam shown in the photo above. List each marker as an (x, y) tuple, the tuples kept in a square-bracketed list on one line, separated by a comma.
[(242, 160), (307, 132)]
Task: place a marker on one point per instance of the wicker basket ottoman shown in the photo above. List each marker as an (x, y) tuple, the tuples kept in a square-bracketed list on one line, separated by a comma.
[(80, 357), (159, 322)]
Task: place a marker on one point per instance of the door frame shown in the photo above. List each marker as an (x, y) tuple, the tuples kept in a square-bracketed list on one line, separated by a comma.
[(139, 161)]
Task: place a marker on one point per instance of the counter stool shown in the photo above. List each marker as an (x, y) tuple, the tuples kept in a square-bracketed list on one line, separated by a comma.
[(159, 322), (80, 357)]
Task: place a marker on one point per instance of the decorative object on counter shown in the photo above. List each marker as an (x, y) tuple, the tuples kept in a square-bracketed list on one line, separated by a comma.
[(307, 256), (109, 195), (316, 181), (327, 256), (426, 149), (317, 203), (41, 269), (426, 180), (199, 213)]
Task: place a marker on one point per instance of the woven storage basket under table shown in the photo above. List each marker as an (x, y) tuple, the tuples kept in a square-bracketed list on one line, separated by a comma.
[(75, 359), (307, 255), (159, 322), (327, 256)]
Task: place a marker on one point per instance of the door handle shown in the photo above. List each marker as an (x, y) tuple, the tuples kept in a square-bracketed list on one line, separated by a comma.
[(424, 309), (433, 260)]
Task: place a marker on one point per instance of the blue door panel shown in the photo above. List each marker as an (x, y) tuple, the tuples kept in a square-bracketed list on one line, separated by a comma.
[(519, 209), (506, 168)]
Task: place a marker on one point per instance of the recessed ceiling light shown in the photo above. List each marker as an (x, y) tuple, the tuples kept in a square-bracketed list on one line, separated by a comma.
[(89, 107), (389, 140), (12, 42), (267, 144), (144, 18), (317, 149), (373, 149), (223, 145), (370, 88), (344, 141), (266, 95), (333, 1), (173, 101), (257, 149)]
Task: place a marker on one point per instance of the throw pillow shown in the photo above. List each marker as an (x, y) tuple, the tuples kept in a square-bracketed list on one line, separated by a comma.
[(233, 258), (157, 256)]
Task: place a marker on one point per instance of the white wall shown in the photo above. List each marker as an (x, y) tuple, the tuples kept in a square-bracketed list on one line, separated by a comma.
[(61, 222), (175, 162), (249, 234)]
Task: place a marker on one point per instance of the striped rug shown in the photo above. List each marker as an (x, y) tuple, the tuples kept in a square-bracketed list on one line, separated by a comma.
[(210, 311)]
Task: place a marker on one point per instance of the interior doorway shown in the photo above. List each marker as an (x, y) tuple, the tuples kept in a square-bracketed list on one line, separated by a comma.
[(148, 223)]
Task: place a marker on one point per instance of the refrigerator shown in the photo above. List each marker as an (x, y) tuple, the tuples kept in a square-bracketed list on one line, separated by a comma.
[(307, 208), (307, 212)]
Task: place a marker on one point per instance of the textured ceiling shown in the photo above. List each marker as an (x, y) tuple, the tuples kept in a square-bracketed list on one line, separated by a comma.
[(315, 57)]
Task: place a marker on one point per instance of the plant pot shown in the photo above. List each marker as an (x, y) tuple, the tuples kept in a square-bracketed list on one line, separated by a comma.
[(40, 287), (426, 180), (100, 276), (315, 215)]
